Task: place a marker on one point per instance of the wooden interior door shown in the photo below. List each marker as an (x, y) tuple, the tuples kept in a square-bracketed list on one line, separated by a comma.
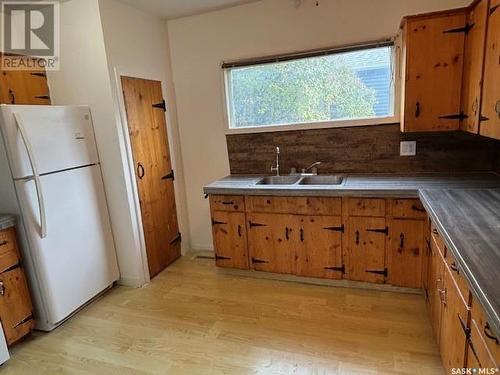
[(490, 109), (366, 249), (272, 242), (230, 239), (320, 251), (148, 136)]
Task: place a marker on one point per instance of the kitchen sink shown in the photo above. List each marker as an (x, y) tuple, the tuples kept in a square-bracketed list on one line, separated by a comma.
[(322, 180), (279, 180)]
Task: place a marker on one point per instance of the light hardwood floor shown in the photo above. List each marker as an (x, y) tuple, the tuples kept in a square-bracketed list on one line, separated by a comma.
[(192, 319)]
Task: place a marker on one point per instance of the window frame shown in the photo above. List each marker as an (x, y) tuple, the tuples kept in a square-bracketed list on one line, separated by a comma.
[(341, 123)]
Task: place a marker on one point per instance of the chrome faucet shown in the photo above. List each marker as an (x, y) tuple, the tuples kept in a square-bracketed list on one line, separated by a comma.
[(312, 167), (276, 168)]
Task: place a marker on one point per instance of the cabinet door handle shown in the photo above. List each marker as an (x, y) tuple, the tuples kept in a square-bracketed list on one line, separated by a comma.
[(487, 332), (287, 233), (239, 230), (418, 209), (12, 97), (140, 171), (417, 110), (2, 288), (454, 267), (402, 240), (357, 237), (227, 203), (301, 235)]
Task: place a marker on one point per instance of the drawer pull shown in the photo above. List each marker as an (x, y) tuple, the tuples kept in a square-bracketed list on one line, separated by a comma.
[(252, 225), (418, 209), (2, 289), (402, 241), (301, 235), (228, 203), (357, 237), (454, 267), (3, 243), (434, 231), (487, 332), (287, 233), (239, 231)]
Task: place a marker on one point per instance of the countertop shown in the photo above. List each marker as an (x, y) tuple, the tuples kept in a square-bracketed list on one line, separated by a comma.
[(469, 222), (464, 207), (385, 185), (7, 221)]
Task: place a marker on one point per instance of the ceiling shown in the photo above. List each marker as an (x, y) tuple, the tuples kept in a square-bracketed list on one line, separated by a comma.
[(170, 9)]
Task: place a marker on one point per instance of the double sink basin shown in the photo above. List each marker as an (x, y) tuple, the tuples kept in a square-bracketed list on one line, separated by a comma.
[(302, 180)]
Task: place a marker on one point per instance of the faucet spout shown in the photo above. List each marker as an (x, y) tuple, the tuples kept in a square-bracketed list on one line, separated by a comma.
[(315, 164)]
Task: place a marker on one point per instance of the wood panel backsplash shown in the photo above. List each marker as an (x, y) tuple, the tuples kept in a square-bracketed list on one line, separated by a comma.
[(367, 149)]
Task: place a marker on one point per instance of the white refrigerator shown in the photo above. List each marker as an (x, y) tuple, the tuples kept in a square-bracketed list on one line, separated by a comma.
[(50, 178)]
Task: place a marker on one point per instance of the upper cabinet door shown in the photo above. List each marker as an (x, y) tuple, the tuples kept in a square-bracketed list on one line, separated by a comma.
[(490, 109), (433, 65), (473, 66)]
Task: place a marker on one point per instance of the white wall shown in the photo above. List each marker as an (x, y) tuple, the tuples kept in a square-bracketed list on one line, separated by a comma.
[(84, 79), (200, 43), (137, 45)]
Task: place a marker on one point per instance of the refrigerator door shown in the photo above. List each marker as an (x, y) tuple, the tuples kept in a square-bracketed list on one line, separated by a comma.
[(61, 137), (76, 260), (4, 352)]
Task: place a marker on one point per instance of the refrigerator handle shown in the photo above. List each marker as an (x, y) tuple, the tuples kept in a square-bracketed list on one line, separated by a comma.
[(36, 176)]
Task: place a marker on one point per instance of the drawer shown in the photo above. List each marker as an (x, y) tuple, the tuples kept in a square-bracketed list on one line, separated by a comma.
[(296, 205), (366, 207), (227, 203), (485, 344), (9, 255), (406, 208), (438, 240), (457, 274)]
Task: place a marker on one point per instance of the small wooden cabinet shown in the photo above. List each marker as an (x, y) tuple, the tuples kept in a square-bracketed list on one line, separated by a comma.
[(15, 301), (230, 239), (24, 86), (433, 55)]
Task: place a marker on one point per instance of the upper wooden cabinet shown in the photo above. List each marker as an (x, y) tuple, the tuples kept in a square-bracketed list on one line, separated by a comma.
[(490, 107), (433, 54), (473, 66), (24, 86)]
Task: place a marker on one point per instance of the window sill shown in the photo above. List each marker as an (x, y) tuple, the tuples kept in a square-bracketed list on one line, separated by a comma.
[(315, 125)]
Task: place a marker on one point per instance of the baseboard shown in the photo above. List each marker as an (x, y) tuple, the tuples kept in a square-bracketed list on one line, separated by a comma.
[(132, 282)]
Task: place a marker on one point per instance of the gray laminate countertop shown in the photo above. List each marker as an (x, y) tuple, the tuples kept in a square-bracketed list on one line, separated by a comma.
[(384, 185), (469, 222), (7, 221)]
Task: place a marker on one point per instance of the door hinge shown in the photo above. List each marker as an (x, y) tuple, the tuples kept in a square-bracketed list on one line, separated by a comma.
[(465, 29), (252, 225), (377, 230), (378, 272), (259, 261), (457, 116), (338, 269), (493, 8), (215, 222), (177, 239), (336, 229), (219, 257), (39, 74), (42, 97), (464, 327), (161, 105), (170, 176)]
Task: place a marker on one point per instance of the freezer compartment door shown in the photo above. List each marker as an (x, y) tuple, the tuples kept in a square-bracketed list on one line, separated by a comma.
[(77, 259), (61, 137)]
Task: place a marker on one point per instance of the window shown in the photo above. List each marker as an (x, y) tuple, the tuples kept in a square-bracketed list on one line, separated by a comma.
[(353, 84)]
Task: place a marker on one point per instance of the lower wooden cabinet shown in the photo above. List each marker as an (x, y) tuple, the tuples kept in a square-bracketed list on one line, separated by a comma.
[(230, 239), (319, 253), (366, 249), (272, 242), (436, 288), (405, 248)]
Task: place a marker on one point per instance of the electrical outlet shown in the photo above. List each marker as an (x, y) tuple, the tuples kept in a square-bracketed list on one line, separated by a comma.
[(408, 148)]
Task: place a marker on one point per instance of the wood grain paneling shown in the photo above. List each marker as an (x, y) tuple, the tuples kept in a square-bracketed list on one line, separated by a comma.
[(369, 149)]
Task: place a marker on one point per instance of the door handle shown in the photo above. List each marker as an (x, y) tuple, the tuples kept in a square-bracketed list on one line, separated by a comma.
[(239, 230), (357, 237), (287, 233), (402, 240), (12, 97), (417, 110), (140, 171), (2, 289), (301, 235)]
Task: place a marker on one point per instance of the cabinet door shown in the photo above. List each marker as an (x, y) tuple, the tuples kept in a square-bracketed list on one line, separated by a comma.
[(482, 338), (436, 287), (453, 324), (434, 63), (490, 108), (473, 66), (230, 239), (366, 249), (272, 242), (15, 305), (406, 244), (319, 253), (426, 258)]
